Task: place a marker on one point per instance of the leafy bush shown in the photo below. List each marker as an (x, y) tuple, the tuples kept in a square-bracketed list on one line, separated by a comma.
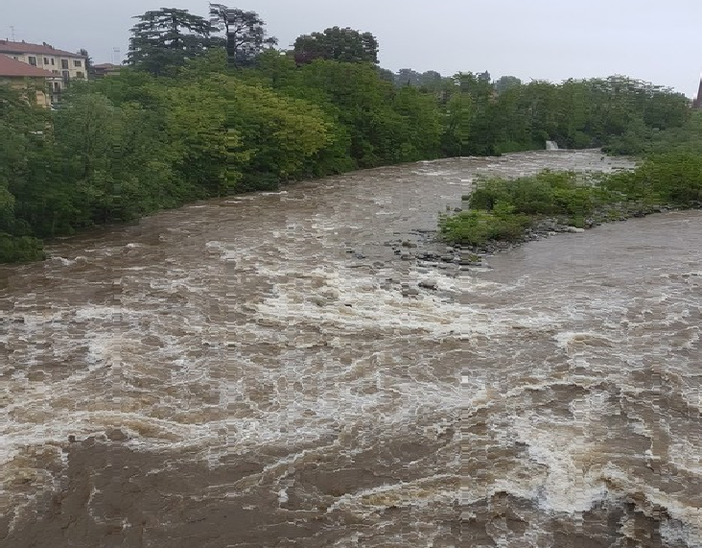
[(20, 249), (548, 193), (476, 227)]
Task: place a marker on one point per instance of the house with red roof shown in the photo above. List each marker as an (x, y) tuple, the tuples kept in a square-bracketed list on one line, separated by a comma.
[(105, 69), (43, 84), (64, 64)]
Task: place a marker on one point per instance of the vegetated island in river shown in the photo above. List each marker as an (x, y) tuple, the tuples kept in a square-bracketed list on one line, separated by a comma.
[(501, 213)]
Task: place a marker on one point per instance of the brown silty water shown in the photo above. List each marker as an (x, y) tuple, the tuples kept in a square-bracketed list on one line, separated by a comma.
[(259, 371)]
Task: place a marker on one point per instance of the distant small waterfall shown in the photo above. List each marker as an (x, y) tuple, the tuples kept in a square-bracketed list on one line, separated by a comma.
[(551, 145)]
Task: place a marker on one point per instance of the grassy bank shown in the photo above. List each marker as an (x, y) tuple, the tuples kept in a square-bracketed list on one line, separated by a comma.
[(501, 210)]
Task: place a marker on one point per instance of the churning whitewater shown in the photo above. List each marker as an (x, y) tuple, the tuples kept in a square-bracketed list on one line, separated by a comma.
[(267, 370)]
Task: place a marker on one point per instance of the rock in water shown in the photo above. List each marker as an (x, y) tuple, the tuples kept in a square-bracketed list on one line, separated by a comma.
[(115, 434), (428, 284)]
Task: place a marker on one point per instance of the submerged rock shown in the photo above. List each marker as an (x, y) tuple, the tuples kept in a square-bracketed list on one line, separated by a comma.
[(115, 434), (429, 284)]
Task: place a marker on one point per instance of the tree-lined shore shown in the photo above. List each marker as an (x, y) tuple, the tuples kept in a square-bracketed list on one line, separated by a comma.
[(207, 106)]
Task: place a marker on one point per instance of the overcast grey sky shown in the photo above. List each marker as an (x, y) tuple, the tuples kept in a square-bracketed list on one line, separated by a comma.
[(655, 40)]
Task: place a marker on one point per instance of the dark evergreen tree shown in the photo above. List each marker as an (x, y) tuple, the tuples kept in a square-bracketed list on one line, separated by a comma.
[(347, 45), (506, 82), (164, 40), (219, 18), (246, 36)]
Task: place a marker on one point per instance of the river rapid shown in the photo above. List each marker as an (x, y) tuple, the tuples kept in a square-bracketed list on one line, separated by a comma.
[(266, 371)]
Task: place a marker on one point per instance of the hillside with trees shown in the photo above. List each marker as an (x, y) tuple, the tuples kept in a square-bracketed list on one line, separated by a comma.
[(208, 106)]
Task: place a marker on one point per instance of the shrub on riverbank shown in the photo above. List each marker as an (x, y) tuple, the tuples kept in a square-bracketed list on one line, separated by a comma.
[(548, 193), (503, 210), (20, 249), (477, 227)]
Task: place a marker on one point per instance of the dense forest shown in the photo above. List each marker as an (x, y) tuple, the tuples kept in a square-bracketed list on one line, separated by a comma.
[(207, 106)]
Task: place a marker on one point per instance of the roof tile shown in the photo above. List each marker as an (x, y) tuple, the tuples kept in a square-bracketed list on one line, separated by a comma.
[(12, 67), (7, 46)]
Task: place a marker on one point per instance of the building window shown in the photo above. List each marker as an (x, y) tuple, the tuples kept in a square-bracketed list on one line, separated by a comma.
[(52, 61), (46, 60), (64, 64), (77, 63), (79, 74), (33, 61), (66, 76)]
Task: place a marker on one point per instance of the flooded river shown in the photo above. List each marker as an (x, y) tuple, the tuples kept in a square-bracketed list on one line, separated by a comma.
[(266, 371)]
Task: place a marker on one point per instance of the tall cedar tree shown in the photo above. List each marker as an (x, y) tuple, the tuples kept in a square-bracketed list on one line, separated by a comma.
[(165, 39), (219, 18)]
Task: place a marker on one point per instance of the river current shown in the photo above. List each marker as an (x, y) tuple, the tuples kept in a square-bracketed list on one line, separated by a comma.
[(266, 371)]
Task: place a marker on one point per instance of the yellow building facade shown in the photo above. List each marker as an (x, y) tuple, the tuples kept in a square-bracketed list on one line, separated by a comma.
[(66, 66)]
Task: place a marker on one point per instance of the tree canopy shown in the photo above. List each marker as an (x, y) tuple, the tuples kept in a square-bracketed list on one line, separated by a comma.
[(504, 83), (165, 39), (339, 44), (246, 36)]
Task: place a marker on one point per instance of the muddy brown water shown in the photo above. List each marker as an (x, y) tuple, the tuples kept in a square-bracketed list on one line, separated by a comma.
[(247, 372)]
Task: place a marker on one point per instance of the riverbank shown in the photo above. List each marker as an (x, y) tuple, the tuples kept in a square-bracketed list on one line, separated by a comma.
[(26, 249), (546, 228)]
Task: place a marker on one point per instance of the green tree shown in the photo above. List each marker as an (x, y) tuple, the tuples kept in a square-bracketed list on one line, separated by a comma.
[(87, 130), (277, 133), (196, 125), (89, 72), (386, 75), (456, 127), (246, 37), (408, 77), (347, 45), (361, 102), (504, 83), (420, 130), (163, 40), (219, 18), (482, 135), (29, 188)]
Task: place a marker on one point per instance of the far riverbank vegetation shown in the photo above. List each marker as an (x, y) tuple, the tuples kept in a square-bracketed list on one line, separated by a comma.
[(208, 105)]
